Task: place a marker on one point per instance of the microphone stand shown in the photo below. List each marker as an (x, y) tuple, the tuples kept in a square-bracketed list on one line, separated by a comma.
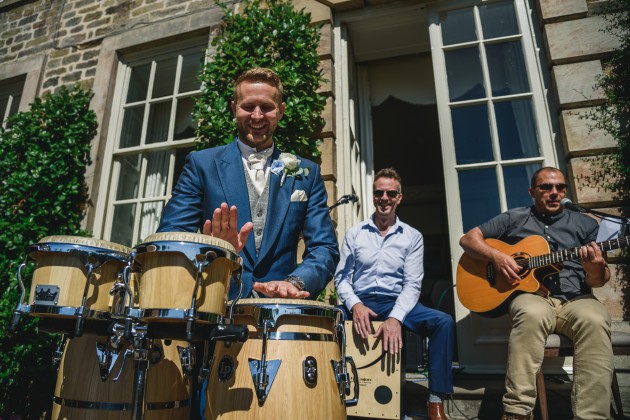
[(342, 200), (623, 221)]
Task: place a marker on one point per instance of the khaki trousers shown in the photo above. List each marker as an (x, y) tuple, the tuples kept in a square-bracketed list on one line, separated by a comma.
[(585, 321)]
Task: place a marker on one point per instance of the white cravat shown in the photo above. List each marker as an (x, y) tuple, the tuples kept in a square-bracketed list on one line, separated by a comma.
[(257, 162)]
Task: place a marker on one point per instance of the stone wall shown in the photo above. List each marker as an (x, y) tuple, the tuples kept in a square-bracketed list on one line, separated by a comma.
[(577, 48), (71, 37)]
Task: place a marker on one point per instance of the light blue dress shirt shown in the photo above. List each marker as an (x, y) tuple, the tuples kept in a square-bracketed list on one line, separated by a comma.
[(389, 265)]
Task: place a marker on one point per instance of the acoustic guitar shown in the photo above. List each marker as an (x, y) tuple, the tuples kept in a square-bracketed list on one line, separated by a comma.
[(485, 293)]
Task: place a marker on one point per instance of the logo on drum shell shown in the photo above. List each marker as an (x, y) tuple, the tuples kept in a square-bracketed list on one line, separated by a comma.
[(225, 370)]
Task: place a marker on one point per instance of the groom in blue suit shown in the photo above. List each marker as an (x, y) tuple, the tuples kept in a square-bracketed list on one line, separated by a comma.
[(279, 198)]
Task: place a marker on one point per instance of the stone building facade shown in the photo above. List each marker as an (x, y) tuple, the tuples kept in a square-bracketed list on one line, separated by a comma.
[(371, 51)]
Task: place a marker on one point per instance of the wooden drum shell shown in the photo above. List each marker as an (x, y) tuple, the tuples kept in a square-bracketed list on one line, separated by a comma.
[(79, 380), (67, 271), (289, 395), (164, 280)]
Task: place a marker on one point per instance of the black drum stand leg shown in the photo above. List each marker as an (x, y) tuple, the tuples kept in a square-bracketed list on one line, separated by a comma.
[(142, 347)]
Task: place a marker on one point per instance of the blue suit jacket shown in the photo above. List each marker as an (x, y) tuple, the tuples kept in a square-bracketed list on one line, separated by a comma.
[(213, 176)]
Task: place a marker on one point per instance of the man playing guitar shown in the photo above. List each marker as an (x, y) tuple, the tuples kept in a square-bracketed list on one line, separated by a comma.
[(569, 309)]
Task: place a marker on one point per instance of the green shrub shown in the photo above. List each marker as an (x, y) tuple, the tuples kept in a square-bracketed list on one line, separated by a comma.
[(43, 156), (614, 116), (277, 37)]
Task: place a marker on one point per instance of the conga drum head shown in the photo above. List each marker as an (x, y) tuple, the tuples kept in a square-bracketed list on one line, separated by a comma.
[(71, 268), (179, 273), (297, 340)]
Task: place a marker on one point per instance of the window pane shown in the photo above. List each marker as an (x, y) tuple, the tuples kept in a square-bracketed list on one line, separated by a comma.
[(4, 101), (159, 118), (463, 71), (157, 172), (15, 103), (190, 71), (150, 218), (457, 26), (516, 184), (138, 83), (132, 126), (506, 66), (122, 226), (164, 82), (184, 125), (129, 179), (10, 96), (479, 194), (516, 126), (472, 134), (498, 19)]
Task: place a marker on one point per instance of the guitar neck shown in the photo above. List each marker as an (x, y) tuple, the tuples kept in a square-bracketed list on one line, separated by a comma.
[(574, 253)]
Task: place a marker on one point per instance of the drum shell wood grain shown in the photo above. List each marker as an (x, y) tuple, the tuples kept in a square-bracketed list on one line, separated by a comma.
[(79, 379), (68, 273), (167, 280), (289, 396)]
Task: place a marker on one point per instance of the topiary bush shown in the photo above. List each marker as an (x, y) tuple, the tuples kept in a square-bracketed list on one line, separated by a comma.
[(43, 156), (277, 37)]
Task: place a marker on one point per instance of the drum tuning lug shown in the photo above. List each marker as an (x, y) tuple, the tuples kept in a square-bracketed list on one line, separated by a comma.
[(15, 321), (128, 353), (78, 327), (310, 371), (187, 359), (263, 375), (205, 370), (57, 354), (106, 359)]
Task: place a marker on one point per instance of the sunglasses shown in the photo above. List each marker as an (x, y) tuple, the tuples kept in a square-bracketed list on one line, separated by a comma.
[(390, 193), (549, 187)]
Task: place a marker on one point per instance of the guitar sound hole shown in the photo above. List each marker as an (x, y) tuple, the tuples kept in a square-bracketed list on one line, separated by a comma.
[(522, 259)]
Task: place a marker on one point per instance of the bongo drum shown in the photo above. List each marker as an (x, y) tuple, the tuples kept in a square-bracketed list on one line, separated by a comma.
[(290, 367), (72, 279), (83, 391), (183, 276)]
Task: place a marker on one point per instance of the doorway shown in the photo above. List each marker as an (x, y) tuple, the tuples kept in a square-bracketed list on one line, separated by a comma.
[(406, 136)]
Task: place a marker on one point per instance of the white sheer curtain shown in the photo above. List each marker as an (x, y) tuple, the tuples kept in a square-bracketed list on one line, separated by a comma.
[(155, 186)]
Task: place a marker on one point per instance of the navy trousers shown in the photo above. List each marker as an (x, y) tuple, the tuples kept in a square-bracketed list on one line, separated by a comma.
[(437, 326)]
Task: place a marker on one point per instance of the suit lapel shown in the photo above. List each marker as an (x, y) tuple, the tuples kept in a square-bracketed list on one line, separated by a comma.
[(277, 208)]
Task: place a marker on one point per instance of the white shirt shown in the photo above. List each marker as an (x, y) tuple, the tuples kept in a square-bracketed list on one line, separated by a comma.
[(246, 151), (389, 265)]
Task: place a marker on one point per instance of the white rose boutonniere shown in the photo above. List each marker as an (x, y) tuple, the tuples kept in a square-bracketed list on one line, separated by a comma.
[(287, 165)]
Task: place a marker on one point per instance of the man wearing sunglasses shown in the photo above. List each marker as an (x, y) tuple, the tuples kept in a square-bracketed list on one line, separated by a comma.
[(379, 278), (570, 309)]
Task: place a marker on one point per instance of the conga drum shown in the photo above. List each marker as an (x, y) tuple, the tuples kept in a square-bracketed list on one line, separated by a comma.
[(72, 279), (181, 277), (288, 368), (83, 392)]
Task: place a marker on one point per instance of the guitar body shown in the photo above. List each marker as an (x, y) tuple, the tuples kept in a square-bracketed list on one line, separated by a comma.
[(481, 291)]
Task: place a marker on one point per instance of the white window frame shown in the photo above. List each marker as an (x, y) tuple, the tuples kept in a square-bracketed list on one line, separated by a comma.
[(354, 152), (111, 168), (541, 113), (488, 333)]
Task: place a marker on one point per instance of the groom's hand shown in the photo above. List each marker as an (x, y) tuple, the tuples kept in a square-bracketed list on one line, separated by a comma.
[(224, 224)]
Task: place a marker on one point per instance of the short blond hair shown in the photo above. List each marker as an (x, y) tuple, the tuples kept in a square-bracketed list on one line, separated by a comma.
[(260, 74)]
